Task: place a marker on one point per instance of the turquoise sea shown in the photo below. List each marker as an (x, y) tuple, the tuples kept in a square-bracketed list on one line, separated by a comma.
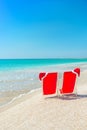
[(19, 76), (9, 64)]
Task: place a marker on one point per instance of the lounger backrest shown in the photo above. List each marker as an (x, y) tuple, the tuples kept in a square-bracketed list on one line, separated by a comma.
[(49, 83), (69, 79)]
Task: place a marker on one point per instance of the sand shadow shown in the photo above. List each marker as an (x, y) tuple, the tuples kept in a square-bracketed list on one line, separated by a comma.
[(82, 95), (69, 97)]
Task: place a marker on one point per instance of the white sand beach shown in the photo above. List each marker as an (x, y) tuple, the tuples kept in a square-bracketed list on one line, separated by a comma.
[(33, 112), (43, 44)]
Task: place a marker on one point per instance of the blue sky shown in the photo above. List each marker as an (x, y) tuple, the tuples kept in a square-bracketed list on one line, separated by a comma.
[(43, 28)]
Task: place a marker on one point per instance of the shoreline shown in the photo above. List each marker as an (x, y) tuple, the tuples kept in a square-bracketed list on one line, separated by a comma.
[(19, 93), (19, 96), (19, 99), (22, 93)]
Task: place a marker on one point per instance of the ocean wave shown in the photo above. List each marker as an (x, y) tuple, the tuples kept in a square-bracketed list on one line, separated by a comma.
[(19, 96)]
